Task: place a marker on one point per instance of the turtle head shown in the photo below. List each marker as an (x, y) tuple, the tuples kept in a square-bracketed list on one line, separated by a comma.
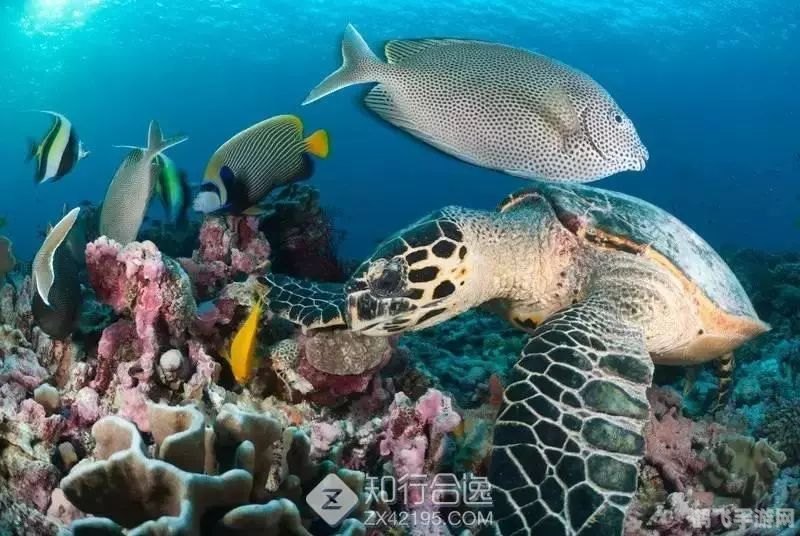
[(419, 277), (415, 279)]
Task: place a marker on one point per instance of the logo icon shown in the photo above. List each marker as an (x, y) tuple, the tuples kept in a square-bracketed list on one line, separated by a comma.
[(332, 500)]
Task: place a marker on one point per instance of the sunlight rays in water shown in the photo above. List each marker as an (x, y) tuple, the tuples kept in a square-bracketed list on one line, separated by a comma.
[(55, 16)]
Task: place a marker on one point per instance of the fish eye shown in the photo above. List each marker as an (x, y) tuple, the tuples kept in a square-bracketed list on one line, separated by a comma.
[(386, 277), (618, 118)]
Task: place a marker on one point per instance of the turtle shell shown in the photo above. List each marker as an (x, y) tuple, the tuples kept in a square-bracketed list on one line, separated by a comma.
[(625, 222)]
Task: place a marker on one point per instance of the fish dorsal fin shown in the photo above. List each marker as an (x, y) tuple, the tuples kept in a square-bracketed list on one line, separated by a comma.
[(43, 274), (520, 199), (154, 135), (399, 49)]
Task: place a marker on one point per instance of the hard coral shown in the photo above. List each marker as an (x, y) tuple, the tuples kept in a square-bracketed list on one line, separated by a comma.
[(340, 363), (154, 496), (229, 246), (414, 434), (782, 428), (669, 440), (302, 235), (739, 466)]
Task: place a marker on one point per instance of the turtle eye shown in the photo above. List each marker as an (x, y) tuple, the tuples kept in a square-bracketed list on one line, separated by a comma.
[(386, 277)]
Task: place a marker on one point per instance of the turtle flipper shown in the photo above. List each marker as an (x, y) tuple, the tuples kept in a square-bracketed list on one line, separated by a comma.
[(569, 436), (306, 303)]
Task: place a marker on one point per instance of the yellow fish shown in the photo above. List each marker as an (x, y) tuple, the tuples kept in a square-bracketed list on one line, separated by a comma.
[(243, 348)]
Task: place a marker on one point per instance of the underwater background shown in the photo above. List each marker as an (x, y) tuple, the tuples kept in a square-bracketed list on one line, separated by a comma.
[(711, 86), (712, 89)]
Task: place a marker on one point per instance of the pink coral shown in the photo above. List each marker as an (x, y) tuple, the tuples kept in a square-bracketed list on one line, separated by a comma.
[(229, 246), (206, 371), (46, 428), (414, 435), (669, 441), (116, 338)]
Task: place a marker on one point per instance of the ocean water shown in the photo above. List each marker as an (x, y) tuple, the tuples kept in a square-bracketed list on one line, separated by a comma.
[(711, 86)]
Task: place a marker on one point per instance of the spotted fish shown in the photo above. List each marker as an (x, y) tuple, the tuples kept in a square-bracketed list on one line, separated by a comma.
[(130, 190), (59, 151), (247, 167), (494, 106)]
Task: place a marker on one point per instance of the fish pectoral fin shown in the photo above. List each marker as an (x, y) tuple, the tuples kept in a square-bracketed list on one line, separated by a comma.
[(33, 150), (560, 112), (318, 144)]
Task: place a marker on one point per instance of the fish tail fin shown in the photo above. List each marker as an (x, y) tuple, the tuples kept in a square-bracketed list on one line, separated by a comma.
[(359, 65), (156, 144), (33, 150), (318, 144)]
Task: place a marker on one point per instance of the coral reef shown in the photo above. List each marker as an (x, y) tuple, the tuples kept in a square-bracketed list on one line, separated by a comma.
[(7, 259), (134, 425), (303, 239), (230, 246)]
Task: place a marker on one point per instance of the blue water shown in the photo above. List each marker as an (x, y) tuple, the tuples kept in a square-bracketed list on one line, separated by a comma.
[(711, 85)]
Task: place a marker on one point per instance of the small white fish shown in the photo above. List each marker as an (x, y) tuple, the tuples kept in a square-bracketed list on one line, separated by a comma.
[(494, 106)]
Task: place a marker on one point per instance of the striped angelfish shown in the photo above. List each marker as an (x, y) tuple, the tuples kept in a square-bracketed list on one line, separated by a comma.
[(59, 151), (247, 167)]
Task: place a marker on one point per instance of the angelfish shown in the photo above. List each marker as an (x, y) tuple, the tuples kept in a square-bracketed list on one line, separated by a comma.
[(248, 166), (58, 152), (494, 106), (172, 188), (57, 297), (242, 355), (133, 184)]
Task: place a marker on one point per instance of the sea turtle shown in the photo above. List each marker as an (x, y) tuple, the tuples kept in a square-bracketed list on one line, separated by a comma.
[(607, 284)]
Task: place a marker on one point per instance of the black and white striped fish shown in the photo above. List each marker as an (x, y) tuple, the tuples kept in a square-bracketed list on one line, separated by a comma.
[(59, 151), (247, 167)]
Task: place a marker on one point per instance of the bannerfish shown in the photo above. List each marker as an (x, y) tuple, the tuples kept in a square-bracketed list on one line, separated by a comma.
[(130, 190), (247, 167), (494, 106), (172, 188), (59, 151), (242, 356), (57, 298)]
